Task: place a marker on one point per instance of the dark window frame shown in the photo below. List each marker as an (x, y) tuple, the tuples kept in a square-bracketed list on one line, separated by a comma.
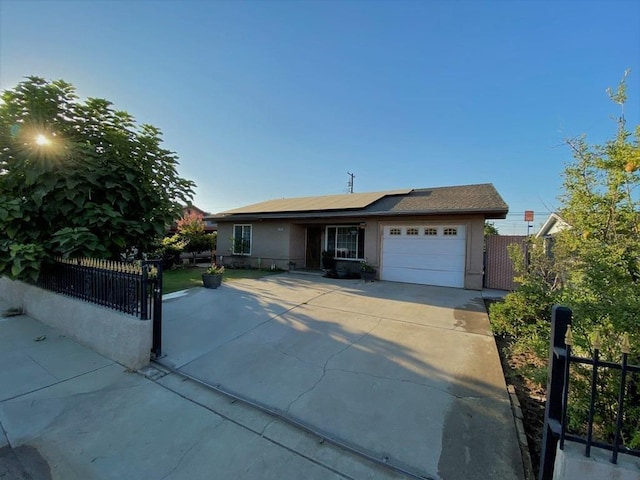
[(337, 241), (243, 243)]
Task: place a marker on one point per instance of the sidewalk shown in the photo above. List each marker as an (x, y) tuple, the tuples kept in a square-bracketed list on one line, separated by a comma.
[(68, 413)]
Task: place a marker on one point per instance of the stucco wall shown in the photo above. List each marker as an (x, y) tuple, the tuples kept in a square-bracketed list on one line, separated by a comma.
[(271, 240), (223, 248), (270, 244), (475, 257), (372, 237), (123, 338), (279, 242)]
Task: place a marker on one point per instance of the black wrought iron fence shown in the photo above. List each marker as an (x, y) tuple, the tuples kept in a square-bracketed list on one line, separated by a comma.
[(131, 288), (558, 387)]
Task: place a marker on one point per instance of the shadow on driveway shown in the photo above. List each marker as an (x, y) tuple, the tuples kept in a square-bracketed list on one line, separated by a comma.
[(408, 374)]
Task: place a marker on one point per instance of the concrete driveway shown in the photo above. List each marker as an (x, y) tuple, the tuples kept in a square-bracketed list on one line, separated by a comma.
[(406, 374)]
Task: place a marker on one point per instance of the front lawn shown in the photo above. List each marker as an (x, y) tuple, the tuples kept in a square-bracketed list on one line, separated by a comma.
[(189, 277)]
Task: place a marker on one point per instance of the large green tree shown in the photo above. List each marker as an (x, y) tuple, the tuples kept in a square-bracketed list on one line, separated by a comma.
[(79, 178), (601, 202), (593, 267)]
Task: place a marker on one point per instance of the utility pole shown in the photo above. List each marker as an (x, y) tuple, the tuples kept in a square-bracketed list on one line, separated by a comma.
[(350, 183)]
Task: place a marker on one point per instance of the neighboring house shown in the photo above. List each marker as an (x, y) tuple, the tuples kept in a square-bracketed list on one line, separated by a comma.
[(189, 209), (430, 236), (552, 225), (549, 229), (209, 224)]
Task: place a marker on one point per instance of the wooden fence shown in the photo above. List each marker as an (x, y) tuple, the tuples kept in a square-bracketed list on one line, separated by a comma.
[(498, 268)]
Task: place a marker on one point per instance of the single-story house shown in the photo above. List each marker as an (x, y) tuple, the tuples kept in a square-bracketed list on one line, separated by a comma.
[(431, 236), (551, 227)]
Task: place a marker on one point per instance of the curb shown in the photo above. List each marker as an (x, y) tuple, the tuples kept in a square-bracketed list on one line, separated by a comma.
[(522, 437), (157, 370)]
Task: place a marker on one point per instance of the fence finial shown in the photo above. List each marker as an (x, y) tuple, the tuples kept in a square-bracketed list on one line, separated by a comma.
[(568, 337), (625, 346), (597, 341)]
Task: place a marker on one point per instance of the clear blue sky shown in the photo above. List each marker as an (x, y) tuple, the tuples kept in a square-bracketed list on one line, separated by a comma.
[(269, 99)]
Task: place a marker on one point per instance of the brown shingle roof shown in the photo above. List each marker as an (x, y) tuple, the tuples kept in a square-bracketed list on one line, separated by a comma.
[(465, 198), (481, 198)]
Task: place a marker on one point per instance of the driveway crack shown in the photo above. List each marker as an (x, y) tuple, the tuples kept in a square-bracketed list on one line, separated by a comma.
[(286, 354), (324, 367), (264, 429)]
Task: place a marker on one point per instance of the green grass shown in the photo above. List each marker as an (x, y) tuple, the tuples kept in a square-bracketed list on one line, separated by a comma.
[(190, 277)]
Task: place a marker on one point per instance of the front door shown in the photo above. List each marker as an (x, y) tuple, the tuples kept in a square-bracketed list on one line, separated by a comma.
[(314, 247)]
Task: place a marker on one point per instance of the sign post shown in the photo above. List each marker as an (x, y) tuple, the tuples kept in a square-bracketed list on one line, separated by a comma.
[(528, 217)]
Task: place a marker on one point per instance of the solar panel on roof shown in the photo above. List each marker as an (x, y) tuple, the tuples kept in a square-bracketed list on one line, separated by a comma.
[(309, 204)]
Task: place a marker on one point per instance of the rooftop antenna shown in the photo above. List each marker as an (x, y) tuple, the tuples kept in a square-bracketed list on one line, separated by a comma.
[(350, 183)]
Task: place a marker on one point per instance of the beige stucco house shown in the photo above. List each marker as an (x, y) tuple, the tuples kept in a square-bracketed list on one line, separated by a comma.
[(430, 236)]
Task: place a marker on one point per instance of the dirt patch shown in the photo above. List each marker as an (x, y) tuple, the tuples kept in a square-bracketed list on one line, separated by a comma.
[(530, 395)]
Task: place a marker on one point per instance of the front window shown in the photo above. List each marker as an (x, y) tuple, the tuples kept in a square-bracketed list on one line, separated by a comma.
[(346, 241), (242, 239)]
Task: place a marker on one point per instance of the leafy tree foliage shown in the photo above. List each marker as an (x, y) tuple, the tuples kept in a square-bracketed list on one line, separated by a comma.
[(168, 249), (191, 229), (593, 267), (191, 224), (525, 314), (79, 178), (490, 229)]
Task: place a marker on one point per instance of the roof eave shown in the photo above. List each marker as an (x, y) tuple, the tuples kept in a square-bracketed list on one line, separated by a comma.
[(487, 213)]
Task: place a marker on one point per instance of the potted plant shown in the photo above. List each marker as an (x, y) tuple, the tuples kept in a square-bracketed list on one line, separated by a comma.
[(328, 260), (328, 263), (367, 272), (212, 278)]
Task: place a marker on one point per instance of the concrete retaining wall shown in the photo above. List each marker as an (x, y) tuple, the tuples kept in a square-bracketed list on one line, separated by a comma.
[(123, 338), (571, 464)]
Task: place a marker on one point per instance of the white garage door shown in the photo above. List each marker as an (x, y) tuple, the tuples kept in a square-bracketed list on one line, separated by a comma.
[(425, 254)]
